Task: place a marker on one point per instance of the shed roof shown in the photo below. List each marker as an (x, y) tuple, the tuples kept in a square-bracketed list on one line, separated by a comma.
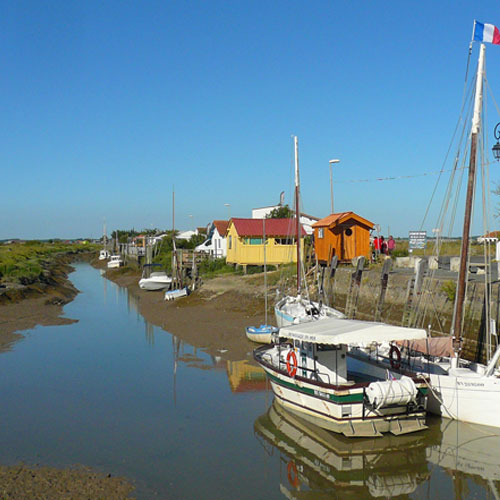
[(274, 227), (336, 219), (221, 226)]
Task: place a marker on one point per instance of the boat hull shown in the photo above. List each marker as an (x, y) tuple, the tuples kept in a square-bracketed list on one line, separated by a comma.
[(460, 394), (152, 284), (342, 409), (262, 335)]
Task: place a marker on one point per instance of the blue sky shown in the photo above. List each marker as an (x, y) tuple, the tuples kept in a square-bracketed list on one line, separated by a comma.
[(105, 106)]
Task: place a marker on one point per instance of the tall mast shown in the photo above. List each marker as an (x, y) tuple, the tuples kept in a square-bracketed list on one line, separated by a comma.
[(265, 268), (297, 209), (464, 252)]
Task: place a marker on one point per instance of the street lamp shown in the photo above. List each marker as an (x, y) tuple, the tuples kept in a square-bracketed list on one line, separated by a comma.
[(331, 178), (228, 205), (496, 147)]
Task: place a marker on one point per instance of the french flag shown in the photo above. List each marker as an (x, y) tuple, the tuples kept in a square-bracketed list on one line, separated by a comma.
[(486, 33)]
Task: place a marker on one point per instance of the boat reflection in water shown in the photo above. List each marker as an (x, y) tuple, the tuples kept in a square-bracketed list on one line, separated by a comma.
[(317, 463), (468, 452)]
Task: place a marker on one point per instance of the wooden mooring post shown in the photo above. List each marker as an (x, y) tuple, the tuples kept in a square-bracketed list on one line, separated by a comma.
[(354, 287), (384, 280)]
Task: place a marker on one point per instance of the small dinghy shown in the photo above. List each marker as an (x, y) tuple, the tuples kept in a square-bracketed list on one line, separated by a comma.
[(262, 334), (177, 294)]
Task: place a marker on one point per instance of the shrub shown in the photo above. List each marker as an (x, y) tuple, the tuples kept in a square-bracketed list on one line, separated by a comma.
[(450, 289)]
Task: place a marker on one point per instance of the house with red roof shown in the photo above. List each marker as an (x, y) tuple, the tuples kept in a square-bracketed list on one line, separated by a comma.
[(346, 235), (216, 242), (245, 241)]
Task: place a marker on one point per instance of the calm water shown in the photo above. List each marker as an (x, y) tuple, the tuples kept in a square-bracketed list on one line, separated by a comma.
[(122, 396)]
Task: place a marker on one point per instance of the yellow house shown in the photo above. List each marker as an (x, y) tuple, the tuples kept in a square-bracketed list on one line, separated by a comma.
[(245, 242)]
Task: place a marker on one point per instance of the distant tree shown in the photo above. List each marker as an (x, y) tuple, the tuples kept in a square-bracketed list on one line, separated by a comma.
[(282, 212)]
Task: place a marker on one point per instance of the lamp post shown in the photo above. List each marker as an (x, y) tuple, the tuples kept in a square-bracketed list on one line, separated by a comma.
[(496, 147), (331, 179), (228, 205)]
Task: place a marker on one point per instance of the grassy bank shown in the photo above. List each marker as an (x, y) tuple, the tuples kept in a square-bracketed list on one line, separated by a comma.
[(26, 263)]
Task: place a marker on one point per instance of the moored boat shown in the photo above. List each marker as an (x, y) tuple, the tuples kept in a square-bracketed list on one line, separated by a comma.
[(115, 261), (293, 309), (262, 334), (459, 388), (154, 280), (309, 375)]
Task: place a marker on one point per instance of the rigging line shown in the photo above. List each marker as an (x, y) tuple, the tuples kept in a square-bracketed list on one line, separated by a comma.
[(465, 99), (394, 178)]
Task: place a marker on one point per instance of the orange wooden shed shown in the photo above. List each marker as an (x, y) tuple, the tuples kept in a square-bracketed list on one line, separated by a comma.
[(346, 235)]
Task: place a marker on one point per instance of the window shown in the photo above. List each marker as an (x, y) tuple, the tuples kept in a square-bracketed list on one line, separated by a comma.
[(253, 241), (348, 231), (321, 232), (284, 241), (230, 245)]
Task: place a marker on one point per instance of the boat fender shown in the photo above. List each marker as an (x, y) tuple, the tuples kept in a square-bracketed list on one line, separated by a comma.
[(392, 392), (291, 363), (293, 475), (395, 357)]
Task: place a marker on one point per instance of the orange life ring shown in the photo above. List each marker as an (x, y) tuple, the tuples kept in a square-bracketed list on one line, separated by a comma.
[(293, 475), (291, 363), (395, 357)]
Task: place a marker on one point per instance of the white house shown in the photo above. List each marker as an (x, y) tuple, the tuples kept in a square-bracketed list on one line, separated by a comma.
[(216, 243), (186, 235)]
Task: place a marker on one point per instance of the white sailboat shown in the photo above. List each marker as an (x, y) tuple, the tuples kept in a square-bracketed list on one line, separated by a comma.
[(292, 309), (460, 389), (104, 253), (179, 290)]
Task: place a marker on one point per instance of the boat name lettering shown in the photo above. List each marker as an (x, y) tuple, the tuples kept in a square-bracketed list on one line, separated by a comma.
[(470, 384)]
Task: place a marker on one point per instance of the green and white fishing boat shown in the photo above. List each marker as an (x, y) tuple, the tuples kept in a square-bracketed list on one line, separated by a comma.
[(309, 375)]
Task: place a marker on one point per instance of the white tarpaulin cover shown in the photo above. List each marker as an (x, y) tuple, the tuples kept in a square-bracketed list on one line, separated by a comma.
[(349, 331)]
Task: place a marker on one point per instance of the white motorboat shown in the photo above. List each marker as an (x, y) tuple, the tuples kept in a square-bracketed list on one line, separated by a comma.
[(290, 309), (154, 280), (115, 261), (309, 375), (103, 254)]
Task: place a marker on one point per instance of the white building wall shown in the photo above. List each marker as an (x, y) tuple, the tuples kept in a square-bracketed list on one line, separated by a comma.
[(260, 213)]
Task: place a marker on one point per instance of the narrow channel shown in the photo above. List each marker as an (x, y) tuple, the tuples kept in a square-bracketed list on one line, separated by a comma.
[(121, 396)]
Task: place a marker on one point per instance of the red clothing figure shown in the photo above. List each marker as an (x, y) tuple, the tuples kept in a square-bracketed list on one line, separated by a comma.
[(391, 245)]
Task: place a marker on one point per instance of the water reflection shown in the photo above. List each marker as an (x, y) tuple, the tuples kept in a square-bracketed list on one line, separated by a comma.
[(244, 377), (316, 463), (468, 453)]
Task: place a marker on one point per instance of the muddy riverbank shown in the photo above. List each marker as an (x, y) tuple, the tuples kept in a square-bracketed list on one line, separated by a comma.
[(40, 302), (212, 318)]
